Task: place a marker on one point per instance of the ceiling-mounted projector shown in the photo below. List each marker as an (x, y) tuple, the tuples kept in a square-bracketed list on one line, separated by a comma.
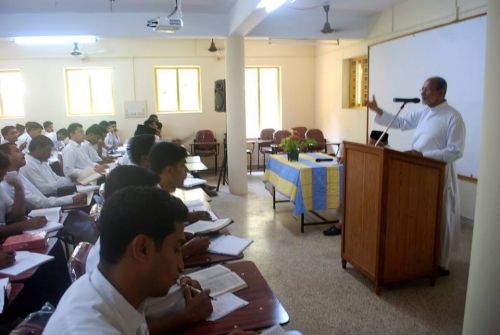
[(169, 24)]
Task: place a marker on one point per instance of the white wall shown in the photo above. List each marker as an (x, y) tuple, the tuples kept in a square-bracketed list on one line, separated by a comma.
[(133, 60), (410, 16)]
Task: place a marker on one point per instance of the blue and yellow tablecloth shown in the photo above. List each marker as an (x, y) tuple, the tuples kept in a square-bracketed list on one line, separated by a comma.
[(310, 185)]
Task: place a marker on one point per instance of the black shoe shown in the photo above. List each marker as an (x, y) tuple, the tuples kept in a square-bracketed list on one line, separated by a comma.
[(442, 272), (210, 187), (332, 231)]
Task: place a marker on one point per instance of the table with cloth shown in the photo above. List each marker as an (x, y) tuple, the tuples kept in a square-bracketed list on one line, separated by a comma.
[(309, 184)]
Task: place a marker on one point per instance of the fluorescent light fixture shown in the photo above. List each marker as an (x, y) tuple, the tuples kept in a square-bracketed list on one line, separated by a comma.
[(270, 5), (33, 40)]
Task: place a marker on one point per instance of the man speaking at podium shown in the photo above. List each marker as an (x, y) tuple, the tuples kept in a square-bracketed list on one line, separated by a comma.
[(439, 134)]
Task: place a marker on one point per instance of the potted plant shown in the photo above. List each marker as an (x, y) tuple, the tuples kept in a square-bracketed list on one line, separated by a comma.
[(291, 146)]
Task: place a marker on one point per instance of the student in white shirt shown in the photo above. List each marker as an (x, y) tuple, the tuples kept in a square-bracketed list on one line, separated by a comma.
[(62, 139), (49, 131), (33, 129), (112, 140), (94, 144), (22, 136), (38, 171), (75, 157), (13, 209), (9, 134), (33, 196), (140, 257)]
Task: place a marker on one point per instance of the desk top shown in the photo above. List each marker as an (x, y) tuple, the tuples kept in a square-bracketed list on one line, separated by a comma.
[(310, 185), (208, 258), (264, 309)]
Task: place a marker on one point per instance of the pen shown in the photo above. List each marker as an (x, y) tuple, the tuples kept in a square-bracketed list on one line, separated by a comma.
[(195, 290)]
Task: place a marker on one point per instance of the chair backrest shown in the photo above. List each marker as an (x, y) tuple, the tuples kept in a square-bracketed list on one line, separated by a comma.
[(300, 131), (266, 134), (76, 263), (279, 135), (204, 136), (318, 136)]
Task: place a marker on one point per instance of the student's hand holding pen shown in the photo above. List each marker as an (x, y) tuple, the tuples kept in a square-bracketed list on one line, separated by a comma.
[(198, 303)]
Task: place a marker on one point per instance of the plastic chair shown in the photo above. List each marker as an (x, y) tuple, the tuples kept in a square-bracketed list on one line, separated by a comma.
[(205, 145), (300, 131), (76, 263), (264, 141), (317, 135)]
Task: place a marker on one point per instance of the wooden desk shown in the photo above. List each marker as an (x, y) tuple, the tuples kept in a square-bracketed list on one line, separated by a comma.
[(311, 186), (264, 309), (208, 259)]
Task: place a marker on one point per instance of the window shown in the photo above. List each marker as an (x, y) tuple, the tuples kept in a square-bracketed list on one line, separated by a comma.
[(358, 82), (89, 91), (11, 94), (178, 89), (262, 99)]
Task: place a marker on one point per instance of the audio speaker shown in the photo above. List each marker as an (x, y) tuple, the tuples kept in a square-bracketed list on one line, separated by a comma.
[(220, 95)]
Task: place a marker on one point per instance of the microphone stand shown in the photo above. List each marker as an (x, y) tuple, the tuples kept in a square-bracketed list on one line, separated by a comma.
[(390, 124)]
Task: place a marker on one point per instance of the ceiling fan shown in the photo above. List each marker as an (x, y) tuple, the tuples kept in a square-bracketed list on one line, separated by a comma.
[(327, 28), (83, 55), (76, 50)]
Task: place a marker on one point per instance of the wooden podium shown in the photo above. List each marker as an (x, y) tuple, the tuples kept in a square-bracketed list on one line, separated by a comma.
[(392, 214)]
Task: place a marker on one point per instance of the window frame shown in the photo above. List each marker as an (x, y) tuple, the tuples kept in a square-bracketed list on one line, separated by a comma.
[(178, 102), (8, 117), (67, 95), (279, 90)]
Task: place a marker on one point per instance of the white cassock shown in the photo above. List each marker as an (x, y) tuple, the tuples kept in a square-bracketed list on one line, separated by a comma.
[(439, 134)]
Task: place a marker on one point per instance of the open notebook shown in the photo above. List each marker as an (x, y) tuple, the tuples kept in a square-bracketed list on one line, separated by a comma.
[(206, 227), (54, 220), (25, 260), (219, 280), (228, 245), (88, 175)]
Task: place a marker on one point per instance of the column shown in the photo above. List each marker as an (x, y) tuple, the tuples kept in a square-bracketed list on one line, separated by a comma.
[(482, 306), (235, 107)]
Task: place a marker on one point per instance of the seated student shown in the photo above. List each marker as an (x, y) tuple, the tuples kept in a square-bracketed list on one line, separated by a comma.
[(48, 126), (138, 149), (375, 135), (33, 129), (22, 136), (13, 208), (112, 140), (37, 169), (173, 303), (62, 135), (9, 134), (94, 146), (75, 157), (33, 196)]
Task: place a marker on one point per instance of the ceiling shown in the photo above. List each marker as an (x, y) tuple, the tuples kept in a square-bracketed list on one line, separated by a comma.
[(299, 19)]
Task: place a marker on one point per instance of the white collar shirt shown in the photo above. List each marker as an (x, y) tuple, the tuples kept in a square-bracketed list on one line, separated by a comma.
[(75, 159), (34, 198), (22, 138), (92, 305), (41, 175), (91, 151), (52, 135), (112, 140), (6, 204)]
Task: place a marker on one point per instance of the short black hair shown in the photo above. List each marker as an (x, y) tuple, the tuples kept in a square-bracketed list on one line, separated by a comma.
[(159, 125), (4, 160), (73, 127), (104, 124), (440, 83), (62, 131), (20, 128), (136, 211), (165, 154), (96, 130), (32, 125), (139, 146), (375, 135), (47, 124), (129, 175), (111, 122), (5, 148), (153, 116), (144, 130), (40, 142), (6, 129)]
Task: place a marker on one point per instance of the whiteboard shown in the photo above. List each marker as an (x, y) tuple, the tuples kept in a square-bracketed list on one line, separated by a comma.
[(456, 52)]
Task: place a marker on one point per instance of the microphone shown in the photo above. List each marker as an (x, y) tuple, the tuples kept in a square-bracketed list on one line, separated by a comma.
[(407, 100)]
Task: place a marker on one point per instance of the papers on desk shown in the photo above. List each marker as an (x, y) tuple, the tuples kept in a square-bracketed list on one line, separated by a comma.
[(205, 227), (219, 280), (275, 330), (52, 214), (86, 189), (228, 245), (193, 163), (225, 304), (197, 205), (25, 260), (88, 175), (192, 182)]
